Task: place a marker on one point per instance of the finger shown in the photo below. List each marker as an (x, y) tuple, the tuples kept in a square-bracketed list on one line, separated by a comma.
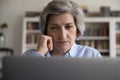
[(50, 44)]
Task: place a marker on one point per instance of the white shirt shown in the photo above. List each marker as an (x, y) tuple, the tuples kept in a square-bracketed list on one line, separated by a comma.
[(75, 51)]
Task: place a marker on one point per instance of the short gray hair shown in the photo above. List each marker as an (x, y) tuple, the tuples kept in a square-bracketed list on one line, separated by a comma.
[(63, 6)]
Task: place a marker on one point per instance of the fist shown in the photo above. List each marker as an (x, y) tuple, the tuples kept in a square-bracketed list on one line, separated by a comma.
[(45, 44)]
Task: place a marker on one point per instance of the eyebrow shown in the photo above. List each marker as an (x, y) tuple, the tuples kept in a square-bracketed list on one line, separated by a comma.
[(69, 23)]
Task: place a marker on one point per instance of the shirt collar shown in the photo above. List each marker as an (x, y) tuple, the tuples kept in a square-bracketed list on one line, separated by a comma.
[(72, 51)]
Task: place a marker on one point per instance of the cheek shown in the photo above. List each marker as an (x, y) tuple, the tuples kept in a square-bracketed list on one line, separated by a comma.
[(73, 37), (73, 33), (53, 35)]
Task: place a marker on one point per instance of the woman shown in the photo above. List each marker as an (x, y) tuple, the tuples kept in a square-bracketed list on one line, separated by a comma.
[(61, 23)]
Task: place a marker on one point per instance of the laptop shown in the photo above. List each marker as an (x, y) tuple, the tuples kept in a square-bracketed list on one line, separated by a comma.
[(59, 68)]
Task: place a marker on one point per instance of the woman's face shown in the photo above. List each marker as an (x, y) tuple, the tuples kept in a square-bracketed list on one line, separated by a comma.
[(62, 29)]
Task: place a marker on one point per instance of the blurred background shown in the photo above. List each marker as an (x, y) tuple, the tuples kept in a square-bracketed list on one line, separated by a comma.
[(13, 13)]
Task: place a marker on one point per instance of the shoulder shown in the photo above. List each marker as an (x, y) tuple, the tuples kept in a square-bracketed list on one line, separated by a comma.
[(87, 51)]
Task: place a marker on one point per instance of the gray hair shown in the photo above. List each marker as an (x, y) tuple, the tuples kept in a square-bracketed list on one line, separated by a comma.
[(63, 6)]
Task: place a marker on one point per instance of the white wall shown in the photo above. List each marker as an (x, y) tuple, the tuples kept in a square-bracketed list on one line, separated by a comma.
[(13, 11)]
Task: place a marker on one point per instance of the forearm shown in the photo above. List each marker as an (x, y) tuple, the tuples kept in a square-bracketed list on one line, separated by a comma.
[(32, 52)]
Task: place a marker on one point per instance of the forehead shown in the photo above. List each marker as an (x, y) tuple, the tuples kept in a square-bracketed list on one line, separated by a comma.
[(63, 17)]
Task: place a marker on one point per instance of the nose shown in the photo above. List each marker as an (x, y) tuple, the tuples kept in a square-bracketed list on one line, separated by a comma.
[(62, 34)]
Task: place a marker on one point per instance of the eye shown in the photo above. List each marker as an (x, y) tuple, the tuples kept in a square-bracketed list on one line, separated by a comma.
[(69, 26), (54, 27)]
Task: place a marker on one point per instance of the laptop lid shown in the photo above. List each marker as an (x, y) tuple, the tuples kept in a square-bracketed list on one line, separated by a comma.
[(59, 68)]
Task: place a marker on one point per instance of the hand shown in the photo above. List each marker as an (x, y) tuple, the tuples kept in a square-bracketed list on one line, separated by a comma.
[(45, 44)]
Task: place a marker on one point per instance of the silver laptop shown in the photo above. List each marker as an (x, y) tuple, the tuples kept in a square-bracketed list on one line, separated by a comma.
[(59, 68)]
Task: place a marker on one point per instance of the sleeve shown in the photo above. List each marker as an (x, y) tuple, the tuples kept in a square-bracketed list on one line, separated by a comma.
[(32, 52)]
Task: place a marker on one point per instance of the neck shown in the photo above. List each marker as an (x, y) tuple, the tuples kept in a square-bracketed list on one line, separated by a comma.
[(57, 53)]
